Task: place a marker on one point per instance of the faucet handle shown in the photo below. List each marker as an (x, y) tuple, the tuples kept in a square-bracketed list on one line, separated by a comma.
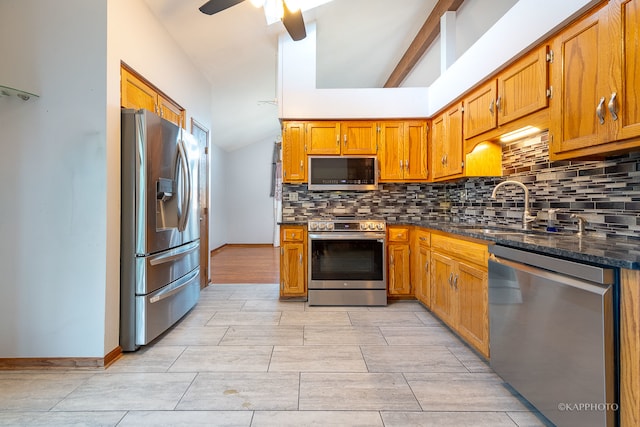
[(582, 222)]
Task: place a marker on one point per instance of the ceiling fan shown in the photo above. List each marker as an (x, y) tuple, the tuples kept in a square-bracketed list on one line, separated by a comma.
[(292, 19)]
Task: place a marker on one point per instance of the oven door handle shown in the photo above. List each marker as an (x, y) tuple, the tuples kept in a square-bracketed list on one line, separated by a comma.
[(364, 235)]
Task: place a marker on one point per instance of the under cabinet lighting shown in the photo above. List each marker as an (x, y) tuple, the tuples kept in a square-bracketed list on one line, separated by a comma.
[(519, 134)]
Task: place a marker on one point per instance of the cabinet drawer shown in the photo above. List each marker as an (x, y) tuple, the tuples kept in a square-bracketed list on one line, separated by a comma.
[(423, 237), (398, 234), (293, 234), (465, 251)]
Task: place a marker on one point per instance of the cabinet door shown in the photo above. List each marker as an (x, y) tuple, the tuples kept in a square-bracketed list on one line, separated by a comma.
[(522, 88), (625, 18), (293, 153), (359, 137), (578, 106), (135, 93), (170, 111), (323, 137), (480, 110), (391, 153), (472, 310), (292, 271), (423, 279), (453, 130), (399, 269), (416, 159), (438, 147), (442, 268)]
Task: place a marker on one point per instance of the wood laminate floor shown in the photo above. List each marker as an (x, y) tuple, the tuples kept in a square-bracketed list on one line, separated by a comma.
[(245, 264)]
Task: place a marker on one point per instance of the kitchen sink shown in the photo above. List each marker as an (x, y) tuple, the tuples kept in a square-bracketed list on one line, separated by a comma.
[(496, 231), (488, 231)]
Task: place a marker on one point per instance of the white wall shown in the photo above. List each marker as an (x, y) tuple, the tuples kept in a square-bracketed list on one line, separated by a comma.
[(53, 168), (524, 24), (218, 220), (60, 165), (249, 208)]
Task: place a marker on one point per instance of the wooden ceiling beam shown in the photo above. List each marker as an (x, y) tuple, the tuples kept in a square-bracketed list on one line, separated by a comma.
[(421, 42)]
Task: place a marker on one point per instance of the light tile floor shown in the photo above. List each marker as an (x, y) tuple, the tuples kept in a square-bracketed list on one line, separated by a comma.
[(242, 357)]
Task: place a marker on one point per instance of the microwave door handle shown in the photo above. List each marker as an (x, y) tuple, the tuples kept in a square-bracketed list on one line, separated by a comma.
[(185, 187)]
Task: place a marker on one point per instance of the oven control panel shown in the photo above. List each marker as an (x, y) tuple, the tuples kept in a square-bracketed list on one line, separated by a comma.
[(347, 225)]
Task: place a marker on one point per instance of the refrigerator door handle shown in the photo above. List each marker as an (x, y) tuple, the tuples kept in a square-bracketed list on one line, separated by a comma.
[(185, 187), (175, 253), (174, 288)]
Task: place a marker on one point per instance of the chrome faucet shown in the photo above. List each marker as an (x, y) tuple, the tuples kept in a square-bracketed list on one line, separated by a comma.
[(582, 222), (527, 218)]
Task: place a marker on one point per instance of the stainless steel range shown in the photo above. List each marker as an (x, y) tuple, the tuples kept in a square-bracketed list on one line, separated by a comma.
[(347, 262)]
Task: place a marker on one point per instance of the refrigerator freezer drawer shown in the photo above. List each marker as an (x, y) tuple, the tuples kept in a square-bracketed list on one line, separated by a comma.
[(153, 272), (156, 312)]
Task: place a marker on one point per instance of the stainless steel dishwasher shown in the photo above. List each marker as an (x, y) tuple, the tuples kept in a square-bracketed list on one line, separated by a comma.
[(552, 334)]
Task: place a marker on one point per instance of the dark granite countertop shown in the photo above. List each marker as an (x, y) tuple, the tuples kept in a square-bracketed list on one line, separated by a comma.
[(608, 251)]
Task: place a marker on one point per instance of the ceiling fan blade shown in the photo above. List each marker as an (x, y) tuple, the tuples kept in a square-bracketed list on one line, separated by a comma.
[(215, 6), (294, 23)]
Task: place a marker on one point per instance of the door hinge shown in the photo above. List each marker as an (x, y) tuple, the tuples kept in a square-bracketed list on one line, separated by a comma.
[(206, 150), (550, 57), (550, 92)]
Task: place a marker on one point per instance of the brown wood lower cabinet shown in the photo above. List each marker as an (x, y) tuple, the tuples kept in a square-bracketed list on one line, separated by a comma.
[(630, 348), (399, 271), (421, 265), (293, 261), (459, 288)]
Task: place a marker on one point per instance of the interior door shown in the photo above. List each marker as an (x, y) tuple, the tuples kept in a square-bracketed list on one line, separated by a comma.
[(202, 136)]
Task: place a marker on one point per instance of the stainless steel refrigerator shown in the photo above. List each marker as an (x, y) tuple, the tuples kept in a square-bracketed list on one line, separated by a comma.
[(159, 258)]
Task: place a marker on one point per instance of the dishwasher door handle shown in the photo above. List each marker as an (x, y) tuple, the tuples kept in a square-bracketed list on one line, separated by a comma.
[(552, 276)]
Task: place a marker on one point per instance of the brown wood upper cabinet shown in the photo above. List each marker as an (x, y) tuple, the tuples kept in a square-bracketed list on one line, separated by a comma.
[(403, 154), (594, 108), (354, 137), (519, 90), (294, 156), (136, 92), (447, 145)]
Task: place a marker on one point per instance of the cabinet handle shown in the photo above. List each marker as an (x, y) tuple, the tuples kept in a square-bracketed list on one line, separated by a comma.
[(338, 140), (450, 279), (345, 139), (300, 259), (426, 266), (455, 282), (406, 165), (301, 165), (499, 103), (491, 107), (599, 112), (401, 165), (613, 106)]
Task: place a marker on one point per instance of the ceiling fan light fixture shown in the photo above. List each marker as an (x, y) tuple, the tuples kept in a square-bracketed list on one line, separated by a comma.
[(292, 5), (257, 3)]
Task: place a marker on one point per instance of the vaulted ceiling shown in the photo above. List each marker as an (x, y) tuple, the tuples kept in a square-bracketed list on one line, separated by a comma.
[(359, 44)]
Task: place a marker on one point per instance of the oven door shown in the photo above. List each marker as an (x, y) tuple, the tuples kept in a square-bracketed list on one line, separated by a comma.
[(351, 260)]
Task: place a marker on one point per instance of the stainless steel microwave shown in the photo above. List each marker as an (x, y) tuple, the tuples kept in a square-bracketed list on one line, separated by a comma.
[(354, 173)]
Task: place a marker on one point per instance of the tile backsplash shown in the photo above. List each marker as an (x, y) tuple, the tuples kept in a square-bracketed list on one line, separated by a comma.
[(606, 193)]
